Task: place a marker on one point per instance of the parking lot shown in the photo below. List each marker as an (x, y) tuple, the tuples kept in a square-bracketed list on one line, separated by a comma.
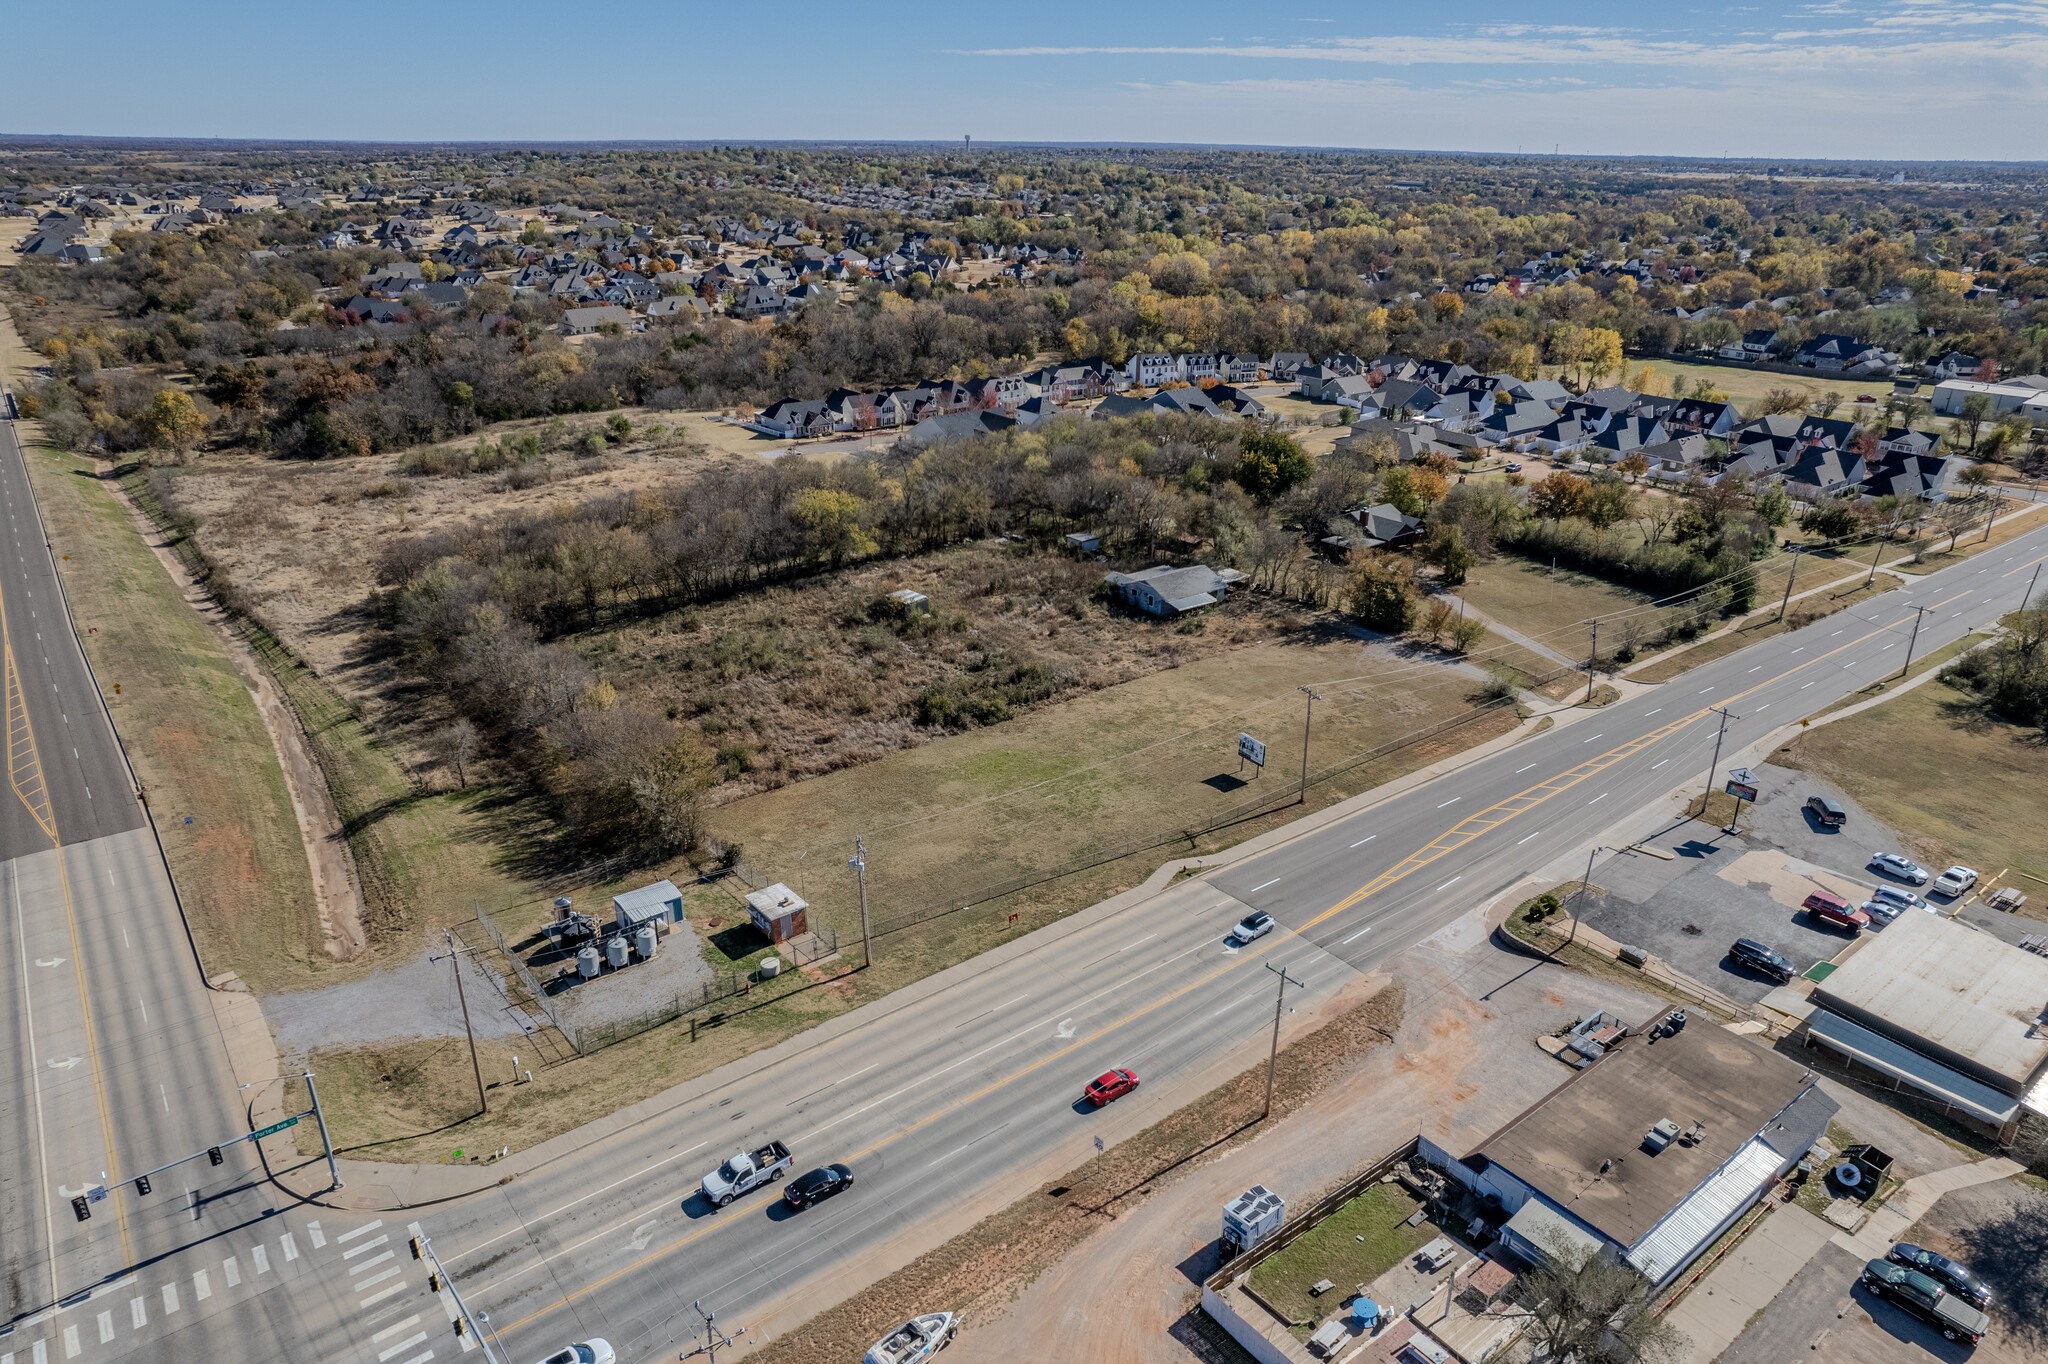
[(1717, 887)]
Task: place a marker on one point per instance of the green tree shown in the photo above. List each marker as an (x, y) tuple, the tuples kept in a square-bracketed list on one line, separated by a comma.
[(173, 422), (1976, 411), (1834, 519), (831, 524), (1381, 593), (1774, 505), (1445, 550), (1269, 463)]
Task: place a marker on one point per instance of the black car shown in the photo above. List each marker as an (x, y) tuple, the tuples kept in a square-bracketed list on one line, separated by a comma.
[(817, 1186), (1759, 958), (1956, 1278)]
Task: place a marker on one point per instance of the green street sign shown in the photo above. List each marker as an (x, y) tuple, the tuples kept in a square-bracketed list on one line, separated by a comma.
[(274, 1127)]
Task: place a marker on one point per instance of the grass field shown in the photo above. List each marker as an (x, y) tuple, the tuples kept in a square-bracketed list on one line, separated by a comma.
[(1962, 785), (193, 732), (1353, 1246), (1744, 386), (1846, 590), (1552, 608), (1937, 555)]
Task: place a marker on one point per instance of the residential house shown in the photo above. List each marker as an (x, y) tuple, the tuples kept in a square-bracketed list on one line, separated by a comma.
[(1907, 476), (1385, 525), (1515, 423), (956, 426), (363, 308), (1285, 365), (1241, 369), (1832, 354), (792, 419), (1956, 365), (1234, 401), (1676, 458), (680, 307), (1168, 591), (1149, 369), (584, 321), (1701, 417), (1625, 435)]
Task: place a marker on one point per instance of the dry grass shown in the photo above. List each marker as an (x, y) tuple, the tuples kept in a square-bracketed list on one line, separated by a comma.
[(983, 1269), (193, 732), (1744, 386), (1937, 555), (1553, 609), (1961, 784), (1762, 625)]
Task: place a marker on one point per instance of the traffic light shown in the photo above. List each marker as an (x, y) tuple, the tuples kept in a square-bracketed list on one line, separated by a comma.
[(80, 1209), (141, 1184), (213, 1155), (433, 1283), (415, 1244), (461, 1327)]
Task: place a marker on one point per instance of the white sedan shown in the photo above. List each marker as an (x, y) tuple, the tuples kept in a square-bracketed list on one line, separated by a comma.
[(589, 1352), (1905, 868)]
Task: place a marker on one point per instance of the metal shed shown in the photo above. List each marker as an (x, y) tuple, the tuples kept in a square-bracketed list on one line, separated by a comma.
[(660, 902)]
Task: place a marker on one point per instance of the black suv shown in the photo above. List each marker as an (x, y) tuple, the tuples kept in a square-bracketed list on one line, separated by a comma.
[(1956, 1278), (1757, 957), (1830, 813)]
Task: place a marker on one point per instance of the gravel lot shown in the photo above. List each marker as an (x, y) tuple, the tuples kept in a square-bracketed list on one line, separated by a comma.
[(416, 1000)]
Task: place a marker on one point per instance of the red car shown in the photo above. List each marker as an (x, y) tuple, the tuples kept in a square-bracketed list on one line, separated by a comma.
[(1831, 909), (1111, 1084)]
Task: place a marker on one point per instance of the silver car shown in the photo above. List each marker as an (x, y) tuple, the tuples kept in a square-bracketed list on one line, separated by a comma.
[(1898, 897), (1905, 868)]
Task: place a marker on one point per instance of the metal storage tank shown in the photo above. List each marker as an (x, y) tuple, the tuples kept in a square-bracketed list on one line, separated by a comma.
[(586, 963), (644, 941), (615, 951)]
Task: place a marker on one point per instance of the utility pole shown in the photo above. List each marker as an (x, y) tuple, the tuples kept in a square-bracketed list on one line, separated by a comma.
[(2030, 587), (1306, 719), (1273, 1057), (1797, 550), (1997, 501), (1715, 765), (1593, 662), (859, 863), (1579, 900), (713, 1340), (1876, 553), (1918, 612), (455, 957)]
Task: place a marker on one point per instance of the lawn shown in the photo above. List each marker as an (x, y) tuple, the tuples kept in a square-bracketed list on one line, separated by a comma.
[(1351, 1247), (1845, 591), (193, 732), (1963, 785), (1550, 607), (1745, 386), (1937, 555)]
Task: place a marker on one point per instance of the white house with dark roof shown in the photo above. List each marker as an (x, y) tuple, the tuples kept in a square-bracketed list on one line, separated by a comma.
[(1167, 591)]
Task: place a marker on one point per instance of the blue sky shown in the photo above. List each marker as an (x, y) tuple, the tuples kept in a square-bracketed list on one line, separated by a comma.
[(1904, 79)]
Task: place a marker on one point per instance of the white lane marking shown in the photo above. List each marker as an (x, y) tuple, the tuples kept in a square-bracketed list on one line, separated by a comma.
[(202, 1287), (1892, 645), (1588, 741), (106, 1327), (1758, 668), (359, 1231), (138, 1313), (1363, 841), (166, 1097), (1597, 799), (1448, 884), (354, 1251), (401, 1347), (380, 1295), (1262, 885), (380, 1337), (1648, 713), (1452, 801), (319, 1236), (1836, 633), (1065, 1029), (1705, 690), (976, 1142), (71, 1345), (1655, 766), (262, 1258), (375, 1260), (1356, 936), (1520, 770), (379, 1277), (231, 1271), (1761, 709), (1520, 841), (291, 1248), (1804, 686)]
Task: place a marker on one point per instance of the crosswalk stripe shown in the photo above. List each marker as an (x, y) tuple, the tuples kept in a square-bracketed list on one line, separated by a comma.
[(231, 1270), (382, 1294), (138, 1315), (170, 1297), (379, 1277), (40, 1352), (291, 1249), (106, 1327), (421, 1358), (354, 1251), (319, 1236), (71, 1345), (401, 1347), (261, 1257), (395, 1327), (363, 1230), (202, 1288), (378, 1260)]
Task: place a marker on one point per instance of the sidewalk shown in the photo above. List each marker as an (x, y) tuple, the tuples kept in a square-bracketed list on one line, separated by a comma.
[(1915, 1199), (1715, 1312)]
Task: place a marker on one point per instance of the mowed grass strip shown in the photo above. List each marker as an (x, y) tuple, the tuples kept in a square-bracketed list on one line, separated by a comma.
[(1353, 1246), (1959, 783), (982, 1270), (193, 733), (1763, 625)]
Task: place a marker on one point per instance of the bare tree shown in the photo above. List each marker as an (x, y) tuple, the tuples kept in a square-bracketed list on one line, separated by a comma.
[(1589, 1309), (455, 745)]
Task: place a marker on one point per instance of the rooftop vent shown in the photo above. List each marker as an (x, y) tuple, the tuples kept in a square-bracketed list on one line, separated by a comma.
[(1662, 1135)]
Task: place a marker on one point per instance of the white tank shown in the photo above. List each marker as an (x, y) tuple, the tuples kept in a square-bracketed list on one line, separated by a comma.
[(586, 963), (615, 950), (644, 942), (770, 967)]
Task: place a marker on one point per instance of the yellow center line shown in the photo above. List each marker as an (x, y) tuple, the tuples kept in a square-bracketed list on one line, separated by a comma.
[(25, 775), (1490, 818), (2025, 566)]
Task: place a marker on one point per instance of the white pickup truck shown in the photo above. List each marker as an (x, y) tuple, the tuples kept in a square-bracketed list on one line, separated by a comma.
[(747, 1170)]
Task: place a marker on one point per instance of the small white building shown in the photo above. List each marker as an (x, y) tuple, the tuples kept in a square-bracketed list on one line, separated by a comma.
[(658, 903)]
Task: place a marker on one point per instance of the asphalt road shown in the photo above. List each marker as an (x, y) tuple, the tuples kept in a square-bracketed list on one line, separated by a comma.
[(949, 1105)]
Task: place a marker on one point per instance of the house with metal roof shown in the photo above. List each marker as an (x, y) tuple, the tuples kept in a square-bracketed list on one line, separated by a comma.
[(1652, 1151), (1166, 591), (1954, 1014)]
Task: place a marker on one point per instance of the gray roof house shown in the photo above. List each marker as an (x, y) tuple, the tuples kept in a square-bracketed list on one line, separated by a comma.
[(1165, 591), (583, 321), (1385, 525)]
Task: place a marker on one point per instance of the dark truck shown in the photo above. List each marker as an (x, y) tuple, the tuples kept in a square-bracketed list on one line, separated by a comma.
[(1924, 1298)]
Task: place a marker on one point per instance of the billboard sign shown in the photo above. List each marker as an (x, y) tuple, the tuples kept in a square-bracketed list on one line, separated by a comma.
[(1250, 749)]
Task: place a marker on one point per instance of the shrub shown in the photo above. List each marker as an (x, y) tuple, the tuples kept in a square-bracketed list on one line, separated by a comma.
[(1382, 595)]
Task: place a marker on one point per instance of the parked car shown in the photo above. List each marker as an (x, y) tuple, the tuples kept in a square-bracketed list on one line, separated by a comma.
[(1905, 868), (1927, 1299), (1757, 957), (817, 1186), (592, 1351), (1955, 881), (1881, 912), (1110, 1086), (1514, 466), (1254, 925), (1956, 1278), (1833, 909), (1898, 895), (1829, 812)]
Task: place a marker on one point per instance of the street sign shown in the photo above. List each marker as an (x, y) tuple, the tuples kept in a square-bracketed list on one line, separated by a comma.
[(1252, 750), (1741, 790), (275, 1127)]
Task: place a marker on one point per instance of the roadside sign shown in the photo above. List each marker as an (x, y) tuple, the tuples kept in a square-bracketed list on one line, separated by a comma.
[(1251, 750), (274, 1128), (1743, 775), (1741, 790)]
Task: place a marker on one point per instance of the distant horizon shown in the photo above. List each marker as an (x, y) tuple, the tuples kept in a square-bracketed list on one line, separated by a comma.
[(142, 141), (1915, 81)]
